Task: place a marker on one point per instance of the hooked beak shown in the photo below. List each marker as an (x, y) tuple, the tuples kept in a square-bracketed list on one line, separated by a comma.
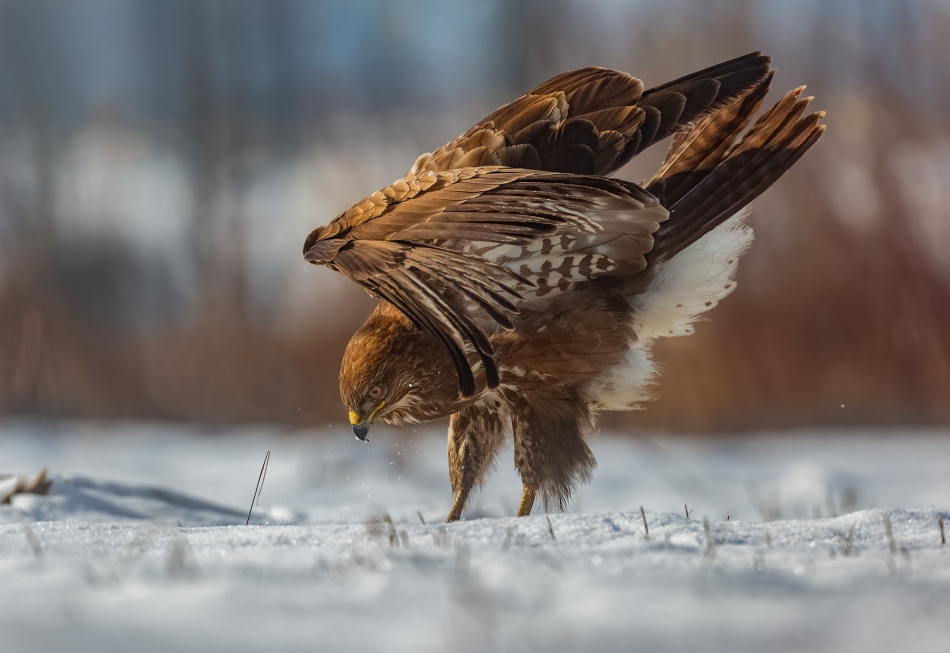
[(360, 425)]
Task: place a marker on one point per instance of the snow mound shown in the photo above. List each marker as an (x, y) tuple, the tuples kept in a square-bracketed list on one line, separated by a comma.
[(338, 557), (79, 498)]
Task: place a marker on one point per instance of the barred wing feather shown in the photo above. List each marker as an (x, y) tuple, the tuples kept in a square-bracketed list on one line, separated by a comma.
[(459, 251)]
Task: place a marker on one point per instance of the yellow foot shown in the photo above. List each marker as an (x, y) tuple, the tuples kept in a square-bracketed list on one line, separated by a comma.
[(456, 512), (527, 501)]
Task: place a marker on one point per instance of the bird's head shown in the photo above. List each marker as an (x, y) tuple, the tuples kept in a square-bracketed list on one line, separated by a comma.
[(396, 373)]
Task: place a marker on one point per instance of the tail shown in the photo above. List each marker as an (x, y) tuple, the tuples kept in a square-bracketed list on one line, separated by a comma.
[(711, 172), (710, 176), (707, 182)]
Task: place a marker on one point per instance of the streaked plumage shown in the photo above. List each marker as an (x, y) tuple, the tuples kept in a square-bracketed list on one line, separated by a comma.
[(524, 288)]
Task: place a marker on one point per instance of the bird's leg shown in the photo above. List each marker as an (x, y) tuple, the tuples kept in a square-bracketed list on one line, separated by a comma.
[(551, 454), (475, 436), (460, 498), (465, 463), (527, 501), (528, 464)]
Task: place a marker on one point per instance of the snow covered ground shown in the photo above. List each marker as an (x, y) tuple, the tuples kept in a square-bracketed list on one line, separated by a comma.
[(141, 545)]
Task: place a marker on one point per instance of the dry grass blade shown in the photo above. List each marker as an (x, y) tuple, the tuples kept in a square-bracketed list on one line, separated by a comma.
[(892, 545), (33, 541), (849, 543), (710, 552), (550, 528), (943, 539), (259, 487), (507, 542), (382, 527), (440, 538), (393, 537), (646, 529), (890, 534)]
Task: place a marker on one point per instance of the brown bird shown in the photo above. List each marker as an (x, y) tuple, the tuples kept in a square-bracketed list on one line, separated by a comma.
[(523, 289)]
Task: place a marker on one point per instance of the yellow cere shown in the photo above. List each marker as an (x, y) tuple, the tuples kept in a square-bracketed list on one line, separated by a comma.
[(356, 419), (373, 414)]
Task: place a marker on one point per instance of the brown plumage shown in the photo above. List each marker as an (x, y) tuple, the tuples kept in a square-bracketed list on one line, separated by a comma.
[(523, 288)]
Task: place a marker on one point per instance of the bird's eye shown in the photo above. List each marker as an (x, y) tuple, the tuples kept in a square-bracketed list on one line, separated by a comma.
[(376, 392)]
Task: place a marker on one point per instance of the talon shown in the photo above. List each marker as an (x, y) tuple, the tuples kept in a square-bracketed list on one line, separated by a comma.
[(456, 513), (527, 501)]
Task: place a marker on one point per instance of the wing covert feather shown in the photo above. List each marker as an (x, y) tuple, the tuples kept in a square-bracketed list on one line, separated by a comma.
[(439, 247)]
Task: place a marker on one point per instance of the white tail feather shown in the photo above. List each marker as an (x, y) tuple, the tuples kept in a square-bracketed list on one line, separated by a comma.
[(692, 282), (682, 289)]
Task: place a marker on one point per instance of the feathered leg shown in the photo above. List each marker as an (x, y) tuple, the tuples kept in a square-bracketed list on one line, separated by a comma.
[(551, 453), (476, 434)]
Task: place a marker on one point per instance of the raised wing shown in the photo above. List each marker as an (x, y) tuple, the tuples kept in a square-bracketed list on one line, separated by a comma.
[(592, 121), (716, 169), (457, 251)]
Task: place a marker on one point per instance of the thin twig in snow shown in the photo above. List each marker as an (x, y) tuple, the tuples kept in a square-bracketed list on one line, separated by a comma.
[(847, 546), (440, 538), (890, 534), (263, 478), (421, 518), (646, 529), (710, 547), (906, 553), (258, 488), (550, 528), (507, 542), (892, 545), (33, 541), (943, 540), (393, 537)]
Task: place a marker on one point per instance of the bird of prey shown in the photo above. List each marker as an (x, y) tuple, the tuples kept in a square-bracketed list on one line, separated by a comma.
[(522, 288)]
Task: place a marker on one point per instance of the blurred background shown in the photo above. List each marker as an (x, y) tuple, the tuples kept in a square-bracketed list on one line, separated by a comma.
[(162, 162)]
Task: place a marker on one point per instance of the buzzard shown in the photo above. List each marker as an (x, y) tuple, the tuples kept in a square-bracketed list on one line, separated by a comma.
[(522, 287)]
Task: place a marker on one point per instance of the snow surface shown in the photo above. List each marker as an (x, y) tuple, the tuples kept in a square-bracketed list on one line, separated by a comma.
[(142, 545)]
